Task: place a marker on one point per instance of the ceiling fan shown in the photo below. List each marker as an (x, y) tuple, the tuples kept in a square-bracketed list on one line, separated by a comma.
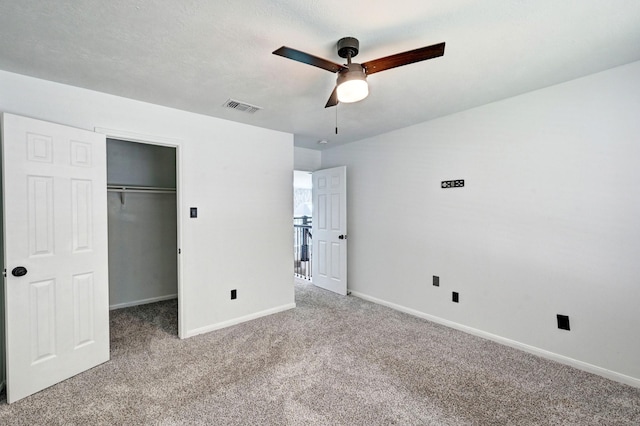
[(351, 85)]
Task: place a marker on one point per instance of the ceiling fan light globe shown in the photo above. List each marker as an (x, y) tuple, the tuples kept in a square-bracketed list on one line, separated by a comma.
[(352, 91)]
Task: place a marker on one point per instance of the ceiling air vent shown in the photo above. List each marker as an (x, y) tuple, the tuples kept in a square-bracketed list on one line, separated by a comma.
[(241, 106)]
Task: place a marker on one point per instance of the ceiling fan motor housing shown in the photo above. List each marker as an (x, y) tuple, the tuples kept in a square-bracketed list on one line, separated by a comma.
[(348, 46), (355, 72)]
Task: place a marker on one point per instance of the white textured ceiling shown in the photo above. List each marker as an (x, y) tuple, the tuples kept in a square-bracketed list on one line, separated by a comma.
[(194, 55)]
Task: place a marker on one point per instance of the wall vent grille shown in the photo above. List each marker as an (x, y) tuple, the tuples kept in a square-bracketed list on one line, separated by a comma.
[(241, 106)]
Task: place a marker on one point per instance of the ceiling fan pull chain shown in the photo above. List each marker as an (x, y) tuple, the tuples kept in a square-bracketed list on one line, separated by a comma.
[(336, 119)]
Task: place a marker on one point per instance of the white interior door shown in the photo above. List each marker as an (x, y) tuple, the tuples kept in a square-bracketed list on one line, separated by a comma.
[(329, 229), (55, 227)]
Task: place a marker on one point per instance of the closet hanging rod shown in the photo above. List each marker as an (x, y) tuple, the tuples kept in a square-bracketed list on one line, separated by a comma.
[(140, 189)]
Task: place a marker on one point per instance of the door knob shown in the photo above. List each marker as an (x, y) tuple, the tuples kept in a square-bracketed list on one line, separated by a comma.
[(19, 271), (342, 237)]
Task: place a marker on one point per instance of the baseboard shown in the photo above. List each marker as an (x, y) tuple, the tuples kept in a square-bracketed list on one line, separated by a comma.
[(235, 321), (142, 302), (590, 368)]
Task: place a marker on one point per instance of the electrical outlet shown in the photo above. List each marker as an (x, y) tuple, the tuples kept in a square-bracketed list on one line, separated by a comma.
[(458, 183), (436, 281), (455, 297), (563, 322), (234, 294)]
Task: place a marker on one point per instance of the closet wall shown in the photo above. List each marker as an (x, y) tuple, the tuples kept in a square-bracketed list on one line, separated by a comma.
[(142, 225), (2, 266)]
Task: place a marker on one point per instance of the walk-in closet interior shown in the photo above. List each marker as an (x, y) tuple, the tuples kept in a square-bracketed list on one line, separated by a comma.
[(141, 181)]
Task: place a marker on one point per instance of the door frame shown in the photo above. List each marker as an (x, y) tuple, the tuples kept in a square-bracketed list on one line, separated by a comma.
[(171, 143)]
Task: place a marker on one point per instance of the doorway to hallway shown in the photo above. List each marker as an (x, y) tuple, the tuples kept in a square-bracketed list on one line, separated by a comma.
[(302, 220)]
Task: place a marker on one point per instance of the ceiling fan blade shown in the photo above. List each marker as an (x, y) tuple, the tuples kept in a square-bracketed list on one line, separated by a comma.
[(306, 58), (404, 58), (333, 99)]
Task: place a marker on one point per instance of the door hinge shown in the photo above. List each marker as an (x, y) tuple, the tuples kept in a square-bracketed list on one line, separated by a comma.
[(179, 251)]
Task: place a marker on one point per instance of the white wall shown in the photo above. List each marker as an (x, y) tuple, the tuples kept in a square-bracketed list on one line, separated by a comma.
[(548, 221), (306, 159), (238, 176)]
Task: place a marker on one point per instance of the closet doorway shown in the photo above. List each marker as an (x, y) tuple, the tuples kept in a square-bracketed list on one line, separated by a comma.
[(143, 223)]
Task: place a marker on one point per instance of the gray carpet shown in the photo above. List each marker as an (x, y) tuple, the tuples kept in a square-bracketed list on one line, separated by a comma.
[(331, 361)]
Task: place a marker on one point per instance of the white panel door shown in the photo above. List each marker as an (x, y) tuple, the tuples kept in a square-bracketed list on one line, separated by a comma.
[(55, 227), (329, 229)]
